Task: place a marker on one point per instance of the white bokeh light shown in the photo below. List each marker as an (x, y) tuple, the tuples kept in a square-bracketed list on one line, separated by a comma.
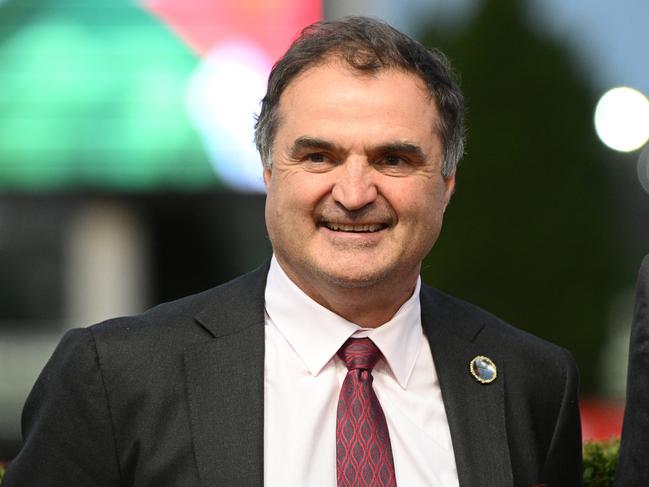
[(223, 96), (622, 119)]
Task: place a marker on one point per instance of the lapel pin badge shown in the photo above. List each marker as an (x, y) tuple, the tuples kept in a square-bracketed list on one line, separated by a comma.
[(483, 369)]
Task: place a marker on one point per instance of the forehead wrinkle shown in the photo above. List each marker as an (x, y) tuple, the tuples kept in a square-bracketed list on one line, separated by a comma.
[(315, 142)]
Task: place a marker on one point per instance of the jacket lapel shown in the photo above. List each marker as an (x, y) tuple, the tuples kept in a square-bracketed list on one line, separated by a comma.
[(475, 411), (225, 386)]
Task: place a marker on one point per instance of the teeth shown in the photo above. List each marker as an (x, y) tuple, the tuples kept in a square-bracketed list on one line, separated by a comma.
[(340, 227)]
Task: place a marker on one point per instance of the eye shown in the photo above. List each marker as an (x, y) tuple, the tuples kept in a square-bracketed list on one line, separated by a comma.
[(317, 157), (393, 161), (318, 162), (394, 165)]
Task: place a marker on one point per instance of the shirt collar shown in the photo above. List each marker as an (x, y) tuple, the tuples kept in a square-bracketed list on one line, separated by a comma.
[(316, 333)]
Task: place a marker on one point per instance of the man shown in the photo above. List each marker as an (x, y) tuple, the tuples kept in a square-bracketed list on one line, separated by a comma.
[(268, 379), (632, 466)]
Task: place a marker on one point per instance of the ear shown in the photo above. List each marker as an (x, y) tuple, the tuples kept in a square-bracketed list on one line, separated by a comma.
[(267, 174), (449, 182)]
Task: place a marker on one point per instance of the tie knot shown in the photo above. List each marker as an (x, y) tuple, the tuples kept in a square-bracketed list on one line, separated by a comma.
[(359, 353)]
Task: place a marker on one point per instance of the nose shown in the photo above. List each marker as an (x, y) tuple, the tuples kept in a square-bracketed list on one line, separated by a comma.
[(354, 187)]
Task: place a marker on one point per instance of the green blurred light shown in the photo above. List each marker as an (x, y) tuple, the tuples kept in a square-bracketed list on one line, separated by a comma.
[(94, 98)]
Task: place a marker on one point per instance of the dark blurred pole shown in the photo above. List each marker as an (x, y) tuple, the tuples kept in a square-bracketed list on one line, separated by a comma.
[(632, 468)]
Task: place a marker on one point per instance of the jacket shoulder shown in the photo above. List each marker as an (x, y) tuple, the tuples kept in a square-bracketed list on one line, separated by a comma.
[(196, 316), (478, 325)]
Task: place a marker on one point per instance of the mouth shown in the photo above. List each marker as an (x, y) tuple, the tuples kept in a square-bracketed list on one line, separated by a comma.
[(355, 227)]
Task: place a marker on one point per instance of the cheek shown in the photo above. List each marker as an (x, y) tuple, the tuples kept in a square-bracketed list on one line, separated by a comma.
[(290, 200), (421, 205), (302, 194)]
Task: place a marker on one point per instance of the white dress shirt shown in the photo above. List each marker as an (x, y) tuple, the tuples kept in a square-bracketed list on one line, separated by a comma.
[(303, 377)]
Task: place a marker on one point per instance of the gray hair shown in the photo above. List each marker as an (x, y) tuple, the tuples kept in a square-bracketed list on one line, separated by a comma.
[(367, 45)]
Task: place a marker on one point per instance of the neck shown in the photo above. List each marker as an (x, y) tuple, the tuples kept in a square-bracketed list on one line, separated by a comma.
[(369, 306)]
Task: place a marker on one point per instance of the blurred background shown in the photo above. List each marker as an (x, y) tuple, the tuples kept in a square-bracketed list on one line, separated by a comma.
[(128, 174)]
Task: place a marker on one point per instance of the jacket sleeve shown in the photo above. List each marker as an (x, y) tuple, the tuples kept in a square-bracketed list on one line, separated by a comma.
[(563, 465), (66, 423)]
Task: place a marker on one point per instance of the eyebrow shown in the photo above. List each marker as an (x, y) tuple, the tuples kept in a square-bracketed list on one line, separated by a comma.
[(401, 148), (309, 143), (312, 143)]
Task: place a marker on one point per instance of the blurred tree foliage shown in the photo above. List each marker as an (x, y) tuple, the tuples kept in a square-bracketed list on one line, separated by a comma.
[(529, 233), (600, 460)]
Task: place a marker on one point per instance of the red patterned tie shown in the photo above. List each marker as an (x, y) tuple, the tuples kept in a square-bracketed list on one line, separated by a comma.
[(363, 451)]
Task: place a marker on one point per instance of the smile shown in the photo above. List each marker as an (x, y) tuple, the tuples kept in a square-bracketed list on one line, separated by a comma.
[(362, 228)]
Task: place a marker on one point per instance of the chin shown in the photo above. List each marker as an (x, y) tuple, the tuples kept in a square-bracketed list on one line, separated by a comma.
[(354, 279)]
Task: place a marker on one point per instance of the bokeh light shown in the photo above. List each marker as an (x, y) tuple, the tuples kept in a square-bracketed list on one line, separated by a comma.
[(622, 119), (89, 104), (223, 98)]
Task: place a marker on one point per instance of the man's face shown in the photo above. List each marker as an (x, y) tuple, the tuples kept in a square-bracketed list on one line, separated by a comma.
[(355, 193)]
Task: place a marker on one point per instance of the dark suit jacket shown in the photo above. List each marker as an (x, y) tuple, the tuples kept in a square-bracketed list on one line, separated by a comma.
[(632, 467), (174, 397)]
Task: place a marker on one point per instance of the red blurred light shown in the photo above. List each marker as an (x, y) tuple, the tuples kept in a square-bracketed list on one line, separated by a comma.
[(271, 24), (601, 419)]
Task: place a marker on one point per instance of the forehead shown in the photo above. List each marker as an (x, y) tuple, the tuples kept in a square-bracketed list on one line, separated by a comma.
[(335, 97)]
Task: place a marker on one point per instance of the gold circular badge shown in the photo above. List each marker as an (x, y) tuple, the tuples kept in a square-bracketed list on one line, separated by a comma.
[(483, 369)]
